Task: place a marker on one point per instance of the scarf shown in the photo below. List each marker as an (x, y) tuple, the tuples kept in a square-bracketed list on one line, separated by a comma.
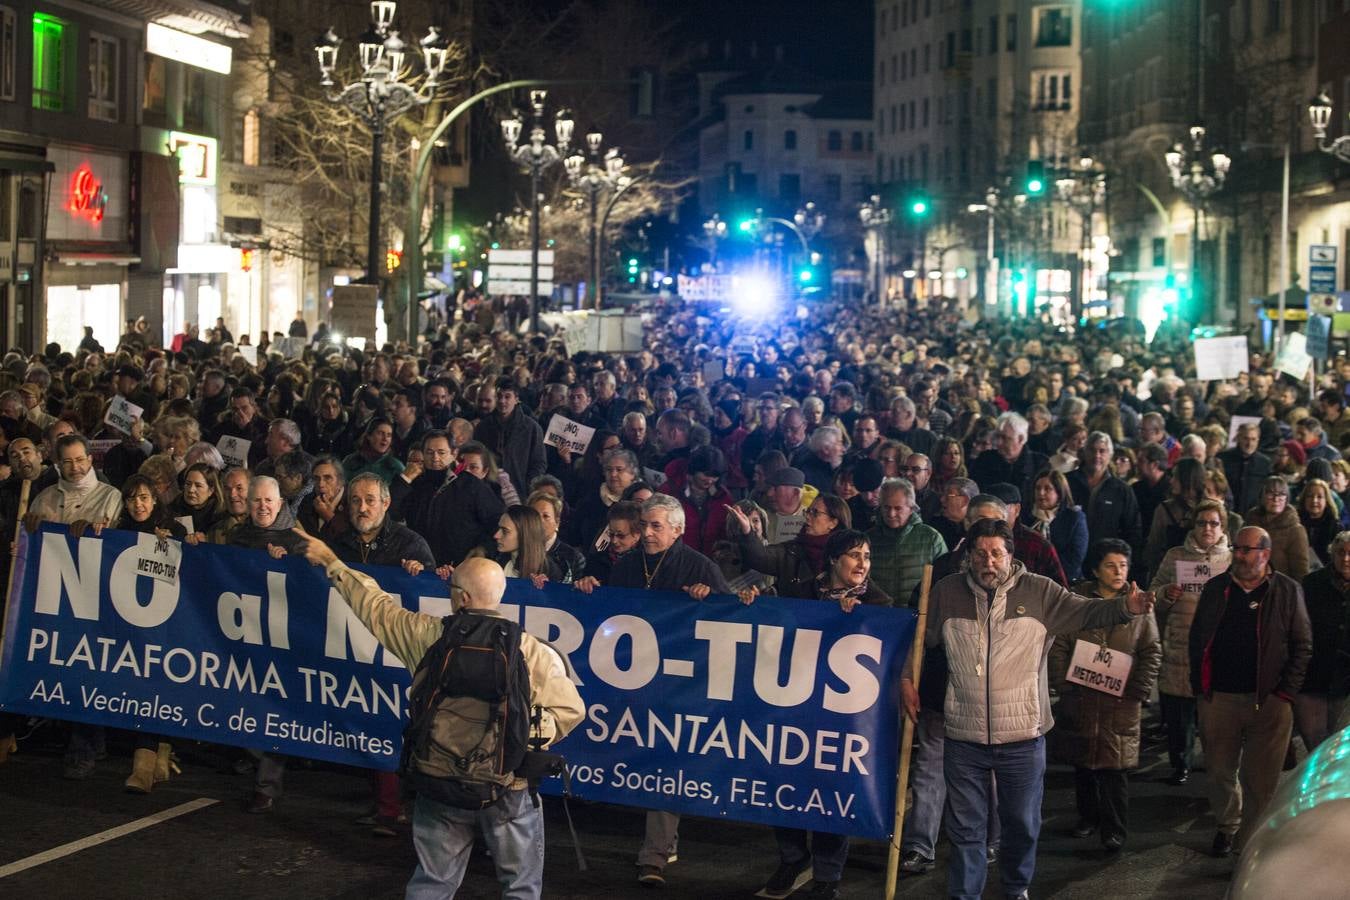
[(825, 592), (814, 548), (1040, 521), (81, 487), (608, 497)]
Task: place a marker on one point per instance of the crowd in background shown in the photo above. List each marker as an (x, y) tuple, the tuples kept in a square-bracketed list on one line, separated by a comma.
[(831, 455)]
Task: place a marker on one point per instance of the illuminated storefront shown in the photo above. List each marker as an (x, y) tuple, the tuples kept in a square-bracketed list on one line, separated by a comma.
[(87, 249)]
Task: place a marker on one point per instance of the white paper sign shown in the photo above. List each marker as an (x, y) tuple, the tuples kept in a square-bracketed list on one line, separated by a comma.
[(120, 413), (234, 450), (158, 558), (250, 354), (1100, 668), (1294, 359), (1219, 358), (563, 433), (186, 522), (1237, 422), (1193, 575)]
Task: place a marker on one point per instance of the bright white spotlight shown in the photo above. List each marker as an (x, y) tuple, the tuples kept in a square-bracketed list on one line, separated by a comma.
[(755, 296)]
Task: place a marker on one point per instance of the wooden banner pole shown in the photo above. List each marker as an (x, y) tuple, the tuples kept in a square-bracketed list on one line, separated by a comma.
[(907, 738)]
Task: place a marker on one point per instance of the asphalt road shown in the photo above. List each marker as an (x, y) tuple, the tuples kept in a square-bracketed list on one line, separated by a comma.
[(309, 846)]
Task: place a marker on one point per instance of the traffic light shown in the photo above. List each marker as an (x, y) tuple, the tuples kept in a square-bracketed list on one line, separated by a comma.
[(746, 225), (918, 206), (1035, 183), (632, 270)]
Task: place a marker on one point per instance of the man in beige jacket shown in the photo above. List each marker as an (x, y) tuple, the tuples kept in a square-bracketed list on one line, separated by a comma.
[(442, 834)]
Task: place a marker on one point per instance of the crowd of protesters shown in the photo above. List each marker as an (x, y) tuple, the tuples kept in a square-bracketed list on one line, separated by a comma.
[(830, 456)]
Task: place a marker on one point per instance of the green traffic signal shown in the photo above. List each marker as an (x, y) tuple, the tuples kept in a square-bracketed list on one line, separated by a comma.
[(1035, 186), (919, 207), (1035, 183), (746, 225)]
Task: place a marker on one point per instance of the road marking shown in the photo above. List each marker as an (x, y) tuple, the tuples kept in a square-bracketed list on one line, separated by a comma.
[(103, 837)]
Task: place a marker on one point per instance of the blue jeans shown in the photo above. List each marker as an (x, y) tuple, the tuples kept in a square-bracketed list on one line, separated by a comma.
[(827, 851), (923, 821), (1019, 773), (443, 835)]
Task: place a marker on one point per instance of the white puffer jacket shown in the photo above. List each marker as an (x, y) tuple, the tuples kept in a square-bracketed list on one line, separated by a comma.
[(996, 643)]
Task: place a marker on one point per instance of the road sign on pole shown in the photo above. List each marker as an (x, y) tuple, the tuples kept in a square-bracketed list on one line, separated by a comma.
[(509, 271)]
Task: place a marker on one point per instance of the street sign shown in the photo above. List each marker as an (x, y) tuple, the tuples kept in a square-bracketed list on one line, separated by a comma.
[(510, 286), (518, 273), (1319, 333), (1323, 304), (1322, 268), (1322, 279), (518, 257)]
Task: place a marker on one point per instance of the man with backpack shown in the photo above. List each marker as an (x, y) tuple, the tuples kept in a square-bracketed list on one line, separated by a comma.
[(467, 775)]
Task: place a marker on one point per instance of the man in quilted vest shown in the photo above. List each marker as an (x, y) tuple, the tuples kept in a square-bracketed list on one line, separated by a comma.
[(992, 622)]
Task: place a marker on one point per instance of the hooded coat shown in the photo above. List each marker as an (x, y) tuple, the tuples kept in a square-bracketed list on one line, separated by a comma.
[(1175, 616)]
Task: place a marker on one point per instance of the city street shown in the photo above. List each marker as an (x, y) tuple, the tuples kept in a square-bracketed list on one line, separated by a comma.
[(310, 847)]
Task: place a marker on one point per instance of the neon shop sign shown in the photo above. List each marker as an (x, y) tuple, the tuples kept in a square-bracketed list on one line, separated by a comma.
[(88, 199)]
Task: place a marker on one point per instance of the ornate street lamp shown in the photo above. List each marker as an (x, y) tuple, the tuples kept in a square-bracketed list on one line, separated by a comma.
[(594, 175), (1319, 112), (1085, 190), (876, 220), (381, 94), (535, 156), (1198, 174)]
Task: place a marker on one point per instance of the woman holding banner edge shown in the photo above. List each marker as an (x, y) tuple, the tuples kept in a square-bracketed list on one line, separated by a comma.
[(843, 579)]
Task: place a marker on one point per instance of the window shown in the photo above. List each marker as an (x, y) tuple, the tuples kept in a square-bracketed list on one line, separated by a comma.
[(1051, 90), (252, 138), (966, 45), (950, 59), (51, 70), (993, 34), (855, 142), (834, 141), (9, 46), (1054, 26), (790, 187), (925, 112), (1272, 16), (748, 140), (991, 97), (834, 187), (156, 84), (904, 68), (790, 139), (194, 97), (1159, 252), (103, 76), (733, 173), (1246, 20), (1012, 32)]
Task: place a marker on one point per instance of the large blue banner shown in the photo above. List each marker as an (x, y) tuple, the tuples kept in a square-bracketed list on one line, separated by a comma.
[(783, 712)]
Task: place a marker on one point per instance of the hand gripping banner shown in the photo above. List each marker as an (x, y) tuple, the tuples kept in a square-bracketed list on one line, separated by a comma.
[(784, 712)]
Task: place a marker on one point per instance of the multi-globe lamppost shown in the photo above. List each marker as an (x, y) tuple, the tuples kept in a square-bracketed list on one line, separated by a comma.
[(381, 95), (876, 219), (536, 156), (594, 175), (1198, 174), (1084, 189)]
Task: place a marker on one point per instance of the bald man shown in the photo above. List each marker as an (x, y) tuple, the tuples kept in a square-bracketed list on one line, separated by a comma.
[(442, 834)]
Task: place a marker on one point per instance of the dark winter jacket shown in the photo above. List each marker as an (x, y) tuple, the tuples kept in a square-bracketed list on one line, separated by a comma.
[(1283, 633)]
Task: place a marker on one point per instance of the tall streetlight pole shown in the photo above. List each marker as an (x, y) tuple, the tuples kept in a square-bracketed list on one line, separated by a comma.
[(536, 157), (876, 219), (1198, 175), (989, 207), (593, 180), (380, 96), (1083, 189)]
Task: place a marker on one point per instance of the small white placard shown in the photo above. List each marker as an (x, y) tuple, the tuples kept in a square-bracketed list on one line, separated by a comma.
[(120, 413), (563, 433), (158, 558), (249, 352), (1219, 358), (1193, 575), (1100, 668), (1237, 422), (1294, 359), (234, 450), (186, 522)]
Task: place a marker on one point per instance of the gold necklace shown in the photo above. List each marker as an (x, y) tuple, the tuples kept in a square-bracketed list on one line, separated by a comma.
[(651, 576)]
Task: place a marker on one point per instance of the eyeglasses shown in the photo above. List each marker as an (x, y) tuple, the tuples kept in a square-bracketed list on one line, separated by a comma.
[(73, 461), (915, 469), (812, 512), (1241, 549), (1208, 523)]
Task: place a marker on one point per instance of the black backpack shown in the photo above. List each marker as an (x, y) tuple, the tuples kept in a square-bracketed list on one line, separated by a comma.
[(469, 725)]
